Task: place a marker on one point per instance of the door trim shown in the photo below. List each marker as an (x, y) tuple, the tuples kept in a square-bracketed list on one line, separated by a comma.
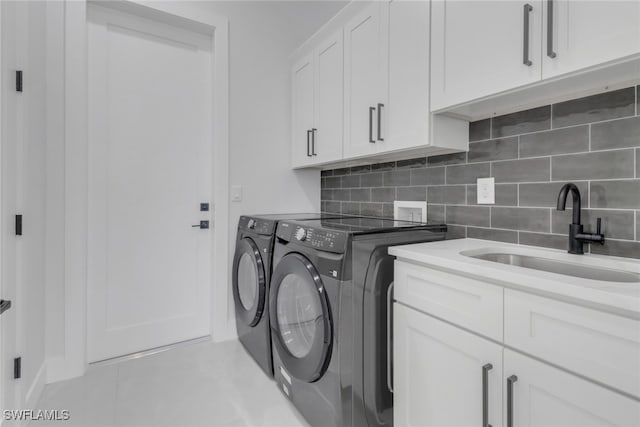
[(71, 73)]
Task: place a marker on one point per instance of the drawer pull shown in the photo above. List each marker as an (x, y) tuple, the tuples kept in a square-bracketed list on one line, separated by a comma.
[(512, 379), (485, 394)]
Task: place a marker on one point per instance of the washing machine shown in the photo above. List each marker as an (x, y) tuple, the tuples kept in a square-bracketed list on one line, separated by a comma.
[(251, 271), (328, 305)]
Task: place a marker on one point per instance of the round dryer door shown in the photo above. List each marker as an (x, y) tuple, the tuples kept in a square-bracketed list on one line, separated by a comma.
[(300, 318), (249, 282)]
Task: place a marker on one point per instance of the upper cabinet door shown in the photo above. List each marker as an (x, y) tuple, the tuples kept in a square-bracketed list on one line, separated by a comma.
[(480, 48), (542, 395), (365, 86), (328, 131), (582, 33), (302, 108), (407, 112)]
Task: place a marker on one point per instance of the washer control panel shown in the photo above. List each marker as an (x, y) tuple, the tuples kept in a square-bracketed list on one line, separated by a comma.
[(257, 225), (320, 239)]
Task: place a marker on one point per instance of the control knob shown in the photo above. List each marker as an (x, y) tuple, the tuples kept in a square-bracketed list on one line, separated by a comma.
[(301, 234), (251, 224)]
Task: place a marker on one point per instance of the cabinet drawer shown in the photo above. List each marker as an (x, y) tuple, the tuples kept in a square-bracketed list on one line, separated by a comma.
[(471, 304), (600, 346)]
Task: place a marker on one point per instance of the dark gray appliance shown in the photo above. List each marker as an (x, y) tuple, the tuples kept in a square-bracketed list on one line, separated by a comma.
[(328, 309), (251, 272)]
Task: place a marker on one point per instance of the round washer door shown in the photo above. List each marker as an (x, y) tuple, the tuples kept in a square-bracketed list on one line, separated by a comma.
[(300, 318), (249, 282)]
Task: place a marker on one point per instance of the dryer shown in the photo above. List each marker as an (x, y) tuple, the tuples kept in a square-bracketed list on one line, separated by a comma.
[(251, 271), (328, 310)]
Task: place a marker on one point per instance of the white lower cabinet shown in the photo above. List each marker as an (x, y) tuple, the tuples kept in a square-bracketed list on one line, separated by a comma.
[(546, 396), (443, 374), (447, 374)]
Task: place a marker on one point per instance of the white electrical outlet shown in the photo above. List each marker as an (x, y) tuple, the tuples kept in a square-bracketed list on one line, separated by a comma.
[(410, 211), (486, 191)]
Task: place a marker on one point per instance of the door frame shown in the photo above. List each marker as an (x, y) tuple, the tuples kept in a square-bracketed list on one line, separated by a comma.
[(72, 138)]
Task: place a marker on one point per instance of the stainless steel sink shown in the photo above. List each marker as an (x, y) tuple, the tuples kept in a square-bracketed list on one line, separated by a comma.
[(560, 267)]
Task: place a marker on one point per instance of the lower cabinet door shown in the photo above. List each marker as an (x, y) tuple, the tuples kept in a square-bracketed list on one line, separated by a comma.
[(443, 375), (537, 394)]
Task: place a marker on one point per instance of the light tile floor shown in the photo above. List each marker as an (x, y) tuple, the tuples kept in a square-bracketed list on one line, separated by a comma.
[(199, 384)]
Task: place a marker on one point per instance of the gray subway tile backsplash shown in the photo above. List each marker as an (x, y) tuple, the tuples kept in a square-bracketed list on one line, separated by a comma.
[(480, 130), (623, 194), (533, 120), (603, 106), (558, 141), (428, 176), (447, 159), (616, 224), (418, 193), (495, 149), (468, 215), (594, 143), (599, 165), (544, 240), (396, 177), (523, 170), (527, 219), (467, 174), (507, 236), (350, 181), (545, 194), (621, 133)]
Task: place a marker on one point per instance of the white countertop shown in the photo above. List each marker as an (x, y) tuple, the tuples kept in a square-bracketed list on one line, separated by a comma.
[(616, 297)]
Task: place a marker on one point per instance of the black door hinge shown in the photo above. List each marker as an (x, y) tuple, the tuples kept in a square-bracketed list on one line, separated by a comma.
[(17, 368), (19, 81), (18, 225)]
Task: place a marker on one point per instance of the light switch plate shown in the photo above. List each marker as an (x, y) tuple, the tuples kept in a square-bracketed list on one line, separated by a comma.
[(486, 191), (236, 193)]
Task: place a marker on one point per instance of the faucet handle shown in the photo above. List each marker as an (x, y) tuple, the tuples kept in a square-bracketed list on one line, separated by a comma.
[(599, 226)]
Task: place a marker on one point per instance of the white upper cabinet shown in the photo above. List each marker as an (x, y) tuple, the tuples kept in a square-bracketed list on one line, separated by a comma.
[(327, 131), (542, 395), (582, 33), (407, 112), (366, 44), (480, 48), (303, 110), (317, 104)]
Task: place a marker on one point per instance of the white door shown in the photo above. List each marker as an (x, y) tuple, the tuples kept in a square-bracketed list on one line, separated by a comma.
[(366, 56), (545, 396), (302, 109), (478, 48), (441, 374), (585, 33), (408, 109), (150, 161), (327, 132)]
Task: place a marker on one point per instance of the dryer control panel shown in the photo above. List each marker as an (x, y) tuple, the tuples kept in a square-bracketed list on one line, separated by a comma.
[(316, 238)]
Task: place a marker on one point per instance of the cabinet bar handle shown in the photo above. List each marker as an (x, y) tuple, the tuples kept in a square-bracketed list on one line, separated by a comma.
[(380, 138), (485, 394), (308, 140), (313, 142), (525, 47), (371, 110), (390, 337), (550, 52), (512, 379)]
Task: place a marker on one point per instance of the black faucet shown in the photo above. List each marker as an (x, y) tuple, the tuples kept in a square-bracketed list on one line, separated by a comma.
[(576, 237)]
